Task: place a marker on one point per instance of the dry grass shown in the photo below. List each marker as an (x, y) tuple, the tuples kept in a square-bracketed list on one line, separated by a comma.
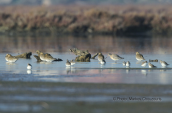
[(88, 19)]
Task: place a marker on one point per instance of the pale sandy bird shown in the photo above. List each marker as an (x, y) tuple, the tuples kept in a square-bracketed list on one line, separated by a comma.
[(163, 63), (100, 57), (29, 66), (151, 65), (139, 56), (128, 64), (144, 63), (72, 62), (46, 57), (115, 56), (42, 56), (124, 63), (49, 58), (38, 52), (10, 58), (68, 63), (6, 57)]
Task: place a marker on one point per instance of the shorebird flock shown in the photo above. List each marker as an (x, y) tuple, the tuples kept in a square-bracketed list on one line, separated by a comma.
[(48, 58), (139, 57)]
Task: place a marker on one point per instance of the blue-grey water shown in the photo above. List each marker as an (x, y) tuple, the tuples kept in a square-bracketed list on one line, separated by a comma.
[(23, 97), (111, 72), (58, 46)]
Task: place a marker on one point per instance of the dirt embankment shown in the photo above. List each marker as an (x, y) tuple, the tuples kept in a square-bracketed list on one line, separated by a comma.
[(88, 19)]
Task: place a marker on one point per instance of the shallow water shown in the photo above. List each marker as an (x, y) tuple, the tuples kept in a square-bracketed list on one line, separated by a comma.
[(58, 46), (111, 72), (47, 92)]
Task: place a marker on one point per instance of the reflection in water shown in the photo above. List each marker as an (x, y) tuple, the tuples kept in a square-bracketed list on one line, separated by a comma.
[(94, 75), (144, 72), (73, 70), (118, 45), (10, 63), (29, 71), (90, 71), (163, 70), (68, 69), (112, 70), (11, 107), (45, 62), (139, 62), (127, 70), (102, 65), (10, 66)]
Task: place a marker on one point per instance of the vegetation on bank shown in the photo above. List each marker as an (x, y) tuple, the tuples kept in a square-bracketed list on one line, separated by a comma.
[(75, 19)]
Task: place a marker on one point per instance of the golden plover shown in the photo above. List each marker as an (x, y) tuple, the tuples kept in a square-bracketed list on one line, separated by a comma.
[(139, 56), (10, 58), (115, 56)]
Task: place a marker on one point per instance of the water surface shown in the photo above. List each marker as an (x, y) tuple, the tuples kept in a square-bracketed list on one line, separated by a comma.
[(111, 72), (41, 90), (58, 46)]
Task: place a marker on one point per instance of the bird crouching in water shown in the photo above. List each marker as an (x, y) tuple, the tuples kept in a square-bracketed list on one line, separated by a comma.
[(115, 57), (42, 56), (48, 57), (139, 56), (10, 58)]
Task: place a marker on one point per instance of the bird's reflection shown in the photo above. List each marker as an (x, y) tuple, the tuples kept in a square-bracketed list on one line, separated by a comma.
[(144, 72), (29, 71), (10, 63), (45, 62), (10, 66), (138, 62), (127, 70), (112, 70), (163, 70), (68, 69), (73, 70), (102, 65)]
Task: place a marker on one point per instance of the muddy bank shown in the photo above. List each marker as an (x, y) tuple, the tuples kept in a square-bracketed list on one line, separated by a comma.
[(76, 19)]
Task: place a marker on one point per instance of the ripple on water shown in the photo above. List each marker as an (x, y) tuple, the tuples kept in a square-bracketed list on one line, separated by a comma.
[(6, 107)]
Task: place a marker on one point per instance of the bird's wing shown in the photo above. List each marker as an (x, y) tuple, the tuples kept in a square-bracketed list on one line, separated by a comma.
[(48, 55)]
